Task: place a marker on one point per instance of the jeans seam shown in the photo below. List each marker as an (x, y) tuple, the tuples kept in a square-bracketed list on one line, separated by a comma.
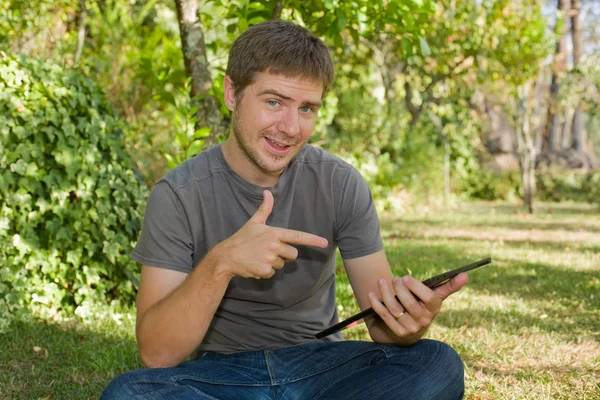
[(178, 378), (203, 394), (271, 377), (319, 371), (336, 381)]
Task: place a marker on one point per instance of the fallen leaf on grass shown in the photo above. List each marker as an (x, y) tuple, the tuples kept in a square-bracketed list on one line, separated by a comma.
[(76, 377), (40, 352)]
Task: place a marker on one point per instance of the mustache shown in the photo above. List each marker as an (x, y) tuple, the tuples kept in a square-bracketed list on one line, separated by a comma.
[(281, 137)]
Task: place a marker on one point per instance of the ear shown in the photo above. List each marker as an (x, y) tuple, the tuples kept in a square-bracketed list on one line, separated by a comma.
[(229, 93)]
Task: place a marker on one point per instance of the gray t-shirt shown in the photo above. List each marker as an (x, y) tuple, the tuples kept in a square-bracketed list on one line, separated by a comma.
[(203, 202)]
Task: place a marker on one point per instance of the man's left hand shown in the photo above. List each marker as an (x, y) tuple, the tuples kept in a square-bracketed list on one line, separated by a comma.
[(418, 305)]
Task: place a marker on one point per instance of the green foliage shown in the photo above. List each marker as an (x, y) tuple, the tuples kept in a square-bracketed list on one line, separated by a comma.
[(489, 185), (558, 185), (70, 205)]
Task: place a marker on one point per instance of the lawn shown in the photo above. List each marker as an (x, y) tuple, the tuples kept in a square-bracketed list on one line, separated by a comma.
[(527, 326)]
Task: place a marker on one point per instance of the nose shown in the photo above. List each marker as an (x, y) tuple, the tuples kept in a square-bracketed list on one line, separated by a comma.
[(289, 122)]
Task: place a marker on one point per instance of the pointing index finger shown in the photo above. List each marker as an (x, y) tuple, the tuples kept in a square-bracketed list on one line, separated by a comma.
[(299, 237)]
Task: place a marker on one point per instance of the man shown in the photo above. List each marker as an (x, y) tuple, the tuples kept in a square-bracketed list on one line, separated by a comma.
[(238, 257)]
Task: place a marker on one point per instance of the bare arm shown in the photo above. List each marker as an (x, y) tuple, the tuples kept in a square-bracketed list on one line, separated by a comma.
[(374, 286), (174, 310)]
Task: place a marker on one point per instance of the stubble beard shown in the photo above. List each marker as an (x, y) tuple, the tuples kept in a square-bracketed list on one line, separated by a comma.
[(250, 154)]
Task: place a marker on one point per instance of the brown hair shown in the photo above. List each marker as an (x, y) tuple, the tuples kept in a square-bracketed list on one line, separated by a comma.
[(279, 47)]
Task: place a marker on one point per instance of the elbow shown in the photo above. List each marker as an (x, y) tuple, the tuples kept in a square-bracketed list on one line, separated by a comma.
[(156, 360), (155, 355)]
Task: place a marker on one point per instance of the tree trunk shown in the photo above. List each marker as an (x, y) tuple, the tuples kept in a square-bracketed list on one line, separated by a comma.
[(578, 129), (554, 120), (446, 169), (525, 143), (277, 10), (196, 66), (566, 134), (81, 30)]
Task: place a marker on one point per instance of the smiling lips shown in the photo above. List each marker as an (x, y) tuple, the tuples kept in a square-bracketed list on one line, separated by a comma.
[(276, 147)]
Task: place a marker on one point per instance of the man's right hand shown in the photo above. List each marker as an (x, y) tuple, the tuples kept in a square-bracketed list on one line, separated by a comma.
[(258, 250)]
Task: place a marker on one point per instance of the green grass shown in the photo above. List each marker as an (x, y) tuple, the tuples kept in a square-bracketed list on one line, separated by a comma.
[(527, 326)]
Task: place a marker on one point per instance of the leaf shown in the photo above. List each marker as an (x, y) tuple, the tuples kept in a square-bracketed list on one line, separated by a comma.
[(40, 352), (341, 19), (195, 148), (167, 97), (202, 133), (407, 47), (243, 24), (425, 50)]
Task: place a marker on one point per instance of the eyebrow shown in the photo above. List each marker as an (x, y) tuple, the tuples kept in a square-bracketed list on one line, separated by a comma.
[(317, 104)]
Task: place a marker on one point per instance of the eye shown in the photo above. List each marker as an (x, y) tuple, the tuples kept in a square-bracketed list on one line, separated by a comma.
[(306, 109), (273, 103)]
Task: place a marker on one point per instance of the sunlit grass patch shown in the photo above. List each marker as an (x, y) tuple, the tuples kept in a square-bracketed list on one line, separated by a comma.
[(528, 325)]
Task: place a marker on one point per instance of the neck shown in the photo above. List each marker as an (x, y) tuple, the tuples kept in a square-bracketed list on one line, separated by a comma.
[(239, 162)]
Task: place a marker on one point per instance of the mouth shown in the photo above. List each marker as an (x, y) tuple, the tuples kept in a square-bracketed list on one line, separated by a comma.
[(277, 147)]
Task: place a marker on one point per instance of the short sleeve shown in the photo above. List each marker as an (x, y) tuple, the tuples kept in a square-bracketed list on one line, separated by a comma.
[(165, 240), (357, 232)]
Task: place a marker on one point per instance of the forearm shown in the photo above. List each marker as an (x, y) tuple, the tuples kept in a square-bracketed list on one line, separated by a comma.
[(174, 327), (381, 333)]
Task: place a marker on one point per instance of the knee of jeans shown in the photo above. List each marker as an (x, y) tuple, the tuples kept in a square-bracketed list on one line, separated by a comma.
[(118, 388), (450, 356), (450, 366)]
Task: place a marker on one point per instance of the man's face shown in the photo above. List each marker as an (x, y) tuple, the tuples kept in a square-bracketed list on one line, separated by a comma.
[(274, 118)]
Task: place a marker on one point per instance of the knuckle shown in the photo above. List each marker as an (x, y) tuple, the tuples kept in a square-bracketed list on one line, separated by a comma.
[(413, 329)]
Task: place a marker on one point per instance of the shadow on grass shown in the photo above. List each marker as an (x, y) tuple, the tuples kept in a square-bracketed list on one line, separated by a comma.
[(521, 279), (482, 225), (536, 281), (568, 298), (38, 360), (540, 209), (507, 243), (571, 326)]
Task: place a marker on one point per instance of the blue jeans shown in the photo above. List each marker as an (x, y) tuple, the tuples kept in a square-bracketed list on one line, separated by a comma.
[(339, 370)]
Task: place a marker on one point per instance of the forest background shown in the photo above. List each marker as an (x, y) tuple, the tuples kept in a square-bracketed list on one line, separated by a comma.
[(440, 104)]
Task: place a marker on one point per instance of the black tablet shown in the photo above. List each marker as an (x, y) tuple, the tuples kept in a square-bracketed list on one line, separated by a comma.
[(432, 283)]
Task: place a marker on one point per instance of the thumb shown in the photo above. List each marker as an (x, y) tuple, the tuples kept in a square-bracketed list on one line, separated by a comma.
[(453, 286), (263, 212)]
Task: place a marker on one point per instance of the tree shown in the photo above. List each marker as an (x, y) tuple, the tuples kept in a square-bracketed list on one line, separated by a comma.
[(559, 70), (578, 129), (196, 65), (526, 45)]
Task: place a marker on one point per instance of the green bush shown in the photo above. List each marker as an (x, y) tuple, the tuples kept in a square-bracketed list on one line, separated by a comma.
[(555, 185), (70, 204), (484, 184)]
